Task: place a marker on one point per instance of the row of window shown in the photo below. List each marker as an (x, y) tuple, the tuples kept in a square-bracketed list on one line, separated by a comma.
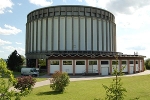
[(90, 62)]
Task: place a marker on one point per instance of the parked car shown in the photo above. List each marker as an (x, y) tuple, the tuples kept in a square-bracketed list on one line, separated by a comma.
[(30, 71)]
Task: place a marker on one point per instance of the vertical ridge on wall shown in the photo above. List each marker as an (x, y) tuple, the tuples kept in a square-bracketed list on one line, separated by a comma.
[(55, 41), (82, 33), (95, 34), (62, 33)]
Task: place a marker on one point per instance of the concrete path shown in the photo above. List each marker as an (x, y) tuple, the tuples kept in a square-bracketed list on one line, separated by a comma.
[(81, 78)]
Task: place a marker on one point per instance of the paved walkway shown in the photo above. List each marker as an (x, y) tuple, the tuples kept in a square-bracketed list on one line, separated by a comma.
[(81, 78)]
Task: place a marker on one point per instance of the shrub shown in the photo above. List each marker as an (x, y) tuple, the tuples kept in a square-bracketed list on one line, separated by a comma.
[(59, 81), (25, 82)]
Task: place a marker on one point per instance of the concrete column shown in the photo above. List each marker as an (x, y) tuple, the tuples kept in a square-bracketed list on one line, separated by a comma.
[(143, 65), (110, 67), (128, 61), (134, 68), (139, 65), (60, 65), (120, 65), (37, 62), (48, 67), (86, 65), (99, 67), (73, 64)]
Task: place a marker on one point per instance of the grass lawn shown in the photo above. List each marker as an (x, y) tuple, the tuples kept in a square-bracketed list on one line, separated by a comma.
[(137, 86)]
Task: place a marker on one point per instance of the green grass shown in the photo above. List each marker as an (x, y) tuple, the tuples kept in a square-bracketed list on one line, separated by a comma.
[(41, 79), (137, 86)]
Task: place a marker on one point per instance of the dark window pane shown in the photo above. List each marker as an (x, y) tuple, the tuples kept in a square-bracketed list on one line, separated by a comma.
[(123, 62), (92, 62), (67, 62), (131, 62), (104, 62), (54, 62), (80, 62)]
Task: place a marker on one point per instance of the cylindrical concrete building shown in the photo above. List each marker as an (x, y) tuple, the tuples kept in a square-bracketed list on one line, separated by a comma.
[(76, 33)]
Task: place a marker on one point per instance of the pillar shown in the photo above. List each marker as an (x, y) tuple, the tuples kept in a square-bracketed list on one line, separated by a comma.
[(128, 61), (110, 67), (73, 67), (99, 66), (139, 65), (134, 69), (120, 65), (37, 62), (48, 67), (87, 65), (60, 65)]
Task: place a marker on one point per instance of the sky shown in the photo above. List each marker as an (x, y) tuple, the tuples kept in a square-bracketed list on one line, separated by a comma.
[(132, 18)]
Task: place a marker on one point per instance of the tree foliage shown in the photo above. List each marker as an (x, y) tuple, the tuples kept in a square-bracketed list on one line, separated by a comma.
[(14, 61), (59, 81), (147, 63), (115, 91), (6, 81)]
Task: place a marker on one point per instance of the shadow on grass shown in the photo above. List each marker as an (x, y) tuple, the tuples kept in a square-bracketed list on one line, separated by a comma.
[(49, 93)]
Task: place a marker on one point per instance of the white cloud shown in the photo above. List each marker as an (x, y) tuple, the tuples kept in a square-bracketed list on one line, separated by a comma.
[(19, 4), (20, 50), (79, 0), (41, 2), (5, 4), (2, 42), (18, 43), (64, 1), (1, 51), (135, 42), (10, 11), (8, 30)]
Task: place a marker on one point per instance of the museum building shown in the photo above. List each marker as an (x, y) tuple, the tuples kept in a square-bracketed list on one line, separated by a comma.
[(77, 39)]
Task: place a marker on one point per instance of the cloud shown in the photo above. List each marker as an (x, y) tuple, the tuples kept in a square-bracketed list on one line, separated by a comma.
[(79, 0), (41, 2), (4, 5), (20, 50), (2, 42), (10, 11), (19, 4), (126, 6), (64, 1), (8, 30), (18, 43), (1, 51)]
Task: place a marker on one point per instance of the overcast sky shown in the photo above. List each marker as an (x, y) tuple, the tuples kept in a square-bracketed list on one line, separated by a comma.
[(132, 18)]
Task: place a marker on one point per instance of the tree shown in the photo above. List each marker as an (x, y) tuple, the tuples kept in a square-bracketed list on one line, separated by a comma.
[(115, 91), (14, 61), (147, 63), (5, 92)]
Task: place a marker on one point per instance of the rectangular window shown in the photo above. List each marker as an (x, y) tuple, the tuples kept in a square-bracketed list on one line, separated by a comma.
[(123, 62), (63, 13), (131, 62), (114, 62), (56, 62), (67, 62), (136, 62), (80, 62), (92, 62), (104, 62), (69, 13)]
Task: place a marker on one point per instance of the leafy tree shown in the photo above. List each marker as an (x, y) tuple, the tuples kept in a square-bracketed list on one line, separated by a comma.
[(6, 81), (14, 61), (147, 63)]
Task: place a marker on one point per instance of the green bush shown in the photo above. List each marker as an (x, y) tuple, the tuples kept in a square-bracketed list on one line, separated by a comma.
[(25, 82), (59, 81)]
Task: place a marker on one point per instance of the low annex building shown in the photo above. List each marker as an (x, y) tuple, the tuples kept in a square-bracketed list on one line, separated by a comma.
[(77, 39)]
